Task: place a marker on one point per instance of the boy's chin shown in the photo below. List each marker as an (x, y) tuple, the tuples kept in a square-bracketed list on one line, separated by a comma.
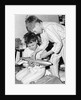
[(32, 49)]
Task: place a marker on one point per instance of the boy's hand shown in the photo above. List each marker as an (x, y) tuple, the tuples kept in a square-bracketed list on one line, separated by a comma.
[(31, 63), (46, 54), (33, 56), (43, 54)]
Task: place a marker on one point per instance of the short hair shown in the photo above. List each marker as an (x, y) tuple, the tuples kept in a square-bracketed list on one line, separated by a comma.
[(30, 37), (30, 22)]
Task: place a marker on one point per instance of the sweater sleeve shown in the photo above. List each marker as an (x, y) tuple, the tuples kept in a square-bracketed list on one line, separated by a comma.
[(54, 37)]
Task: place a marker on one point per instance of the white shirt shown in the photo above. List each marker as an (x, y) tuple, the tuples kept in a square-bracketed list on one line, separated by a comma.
[(53, 32), (27, 52)]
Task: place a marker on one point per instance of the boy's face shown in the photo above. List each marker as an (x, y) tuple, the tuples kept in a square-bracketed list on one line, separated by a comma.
[(37, 29), (32, 46)]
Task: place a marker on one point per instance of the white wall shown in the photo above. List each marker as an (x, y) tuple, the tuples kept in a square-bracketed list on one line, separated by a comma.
[(20, 29)]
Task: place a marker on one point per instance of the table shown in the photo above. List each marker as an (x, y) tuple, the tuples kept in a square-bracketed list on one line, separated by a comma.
[(19, 50)]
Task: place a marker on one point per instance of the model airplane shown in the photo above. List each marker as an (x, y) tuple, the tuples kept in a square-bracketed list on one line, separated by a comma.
[(38, 61)]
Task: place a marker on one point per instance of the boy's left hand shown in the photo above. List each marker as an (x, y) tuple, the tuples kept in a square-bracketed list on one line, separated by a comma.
[(43, 54)]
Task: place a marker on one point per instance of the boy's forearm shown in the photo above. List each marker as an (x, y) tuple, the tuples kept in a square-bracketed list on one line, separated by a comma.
[(57, 47), (37, 50), (46, 54)]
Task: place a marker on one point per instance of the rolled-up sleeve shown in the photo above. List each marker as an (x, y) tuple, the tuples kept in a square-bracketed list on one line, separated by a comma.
[(54, 37)]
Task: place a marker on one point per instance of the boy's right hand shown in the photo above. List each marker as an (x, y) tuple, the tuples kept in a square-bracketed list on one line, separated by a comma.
[(33, 56), (30, 63)]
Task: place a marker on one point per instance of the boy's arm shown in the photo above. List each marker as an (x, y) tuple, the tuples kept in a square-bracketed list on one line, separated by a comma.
[(25, 56), (53, 35), (44, 55)]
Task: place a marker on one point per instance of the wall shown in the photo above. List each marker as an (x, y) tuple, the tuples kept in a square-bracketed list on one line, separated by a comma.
[(20, 29)]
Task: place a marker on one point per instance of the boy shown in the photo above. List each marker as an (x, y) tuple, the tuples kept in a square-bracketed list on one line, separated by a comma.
[(49, 31), (32, 72)]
